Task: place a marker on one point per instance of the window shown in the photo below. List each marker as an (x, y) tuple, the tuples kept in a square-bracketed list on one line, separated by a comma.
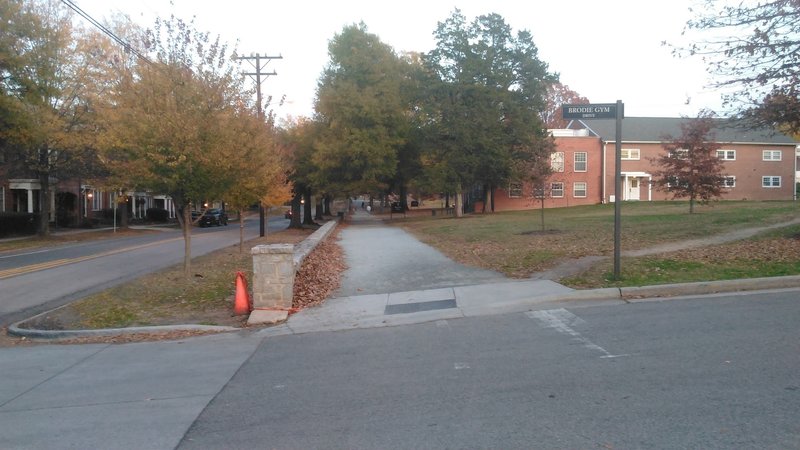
[(96, 199), (514, 190), (771, 155), (728, 182), (557, 161), (580, 161), (771, 182), (579, 189), (680, 153), (726, 155), (630, 153), (557, 190), (675, 182)]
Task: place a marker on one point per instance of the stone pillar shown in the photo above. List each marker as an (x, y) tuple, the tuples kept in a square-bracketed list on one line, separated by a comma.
[(273, 283)]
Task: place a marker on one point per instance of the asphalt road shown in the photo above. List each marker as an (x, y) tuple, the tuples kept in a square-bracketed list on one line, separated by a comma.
[(33, 281), (716, 372)]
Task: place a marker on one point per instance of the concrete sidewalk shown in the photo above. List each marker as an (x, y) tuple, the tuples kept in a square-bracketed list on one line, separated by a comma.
[(383, 259), (142, 396)]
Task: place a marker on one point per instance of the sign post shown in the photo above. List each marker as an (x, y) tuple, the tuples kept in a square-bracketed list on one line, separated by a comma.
[(607, 111)]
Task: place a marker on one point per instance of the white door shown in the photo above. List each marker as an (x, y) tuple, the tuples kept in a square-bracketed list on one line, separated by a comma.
[(633, 189)]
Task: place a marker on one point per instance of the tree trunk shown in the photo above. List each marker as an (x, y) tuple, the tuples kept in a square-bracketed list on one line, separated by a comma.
[(241, 232), (123, 214), (319, 208), (308, 219), (459, 200), (487, 198), (491, 194), (43, 228), (296, 221), (326, 208), (541, 213), (404, 196), (187, 241)]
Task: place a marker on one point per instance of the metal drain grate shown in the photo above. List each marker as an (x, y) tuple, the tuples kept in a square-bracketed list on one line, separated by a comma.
[(406, 308)]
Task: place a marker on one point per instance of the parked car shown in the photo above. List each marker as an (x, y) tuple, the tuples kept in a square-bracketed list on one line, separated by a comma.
[(214, 216)]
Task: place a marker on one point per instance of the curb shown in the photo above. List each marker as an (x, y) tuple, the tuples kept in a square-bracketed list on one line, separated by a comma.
[(710, 287), (623, 294), (33, 333), (16, 329)]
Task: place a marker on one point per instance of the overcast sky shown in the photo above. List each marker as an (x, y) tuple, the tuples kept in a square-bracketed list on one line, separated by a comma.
[(605, 50)]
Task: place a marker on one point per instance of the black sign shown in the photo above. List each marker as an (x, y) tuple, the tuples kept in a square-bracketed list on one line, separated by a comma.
[(590, 111)]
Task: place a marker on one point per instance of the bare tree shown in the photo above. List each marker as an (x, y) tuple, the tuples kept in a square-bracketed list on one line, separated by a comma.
[(752, 48)]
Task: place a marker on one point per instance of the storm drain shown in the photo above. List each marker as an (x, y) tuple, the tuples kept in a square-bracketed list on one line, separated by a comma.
[(406, 308)]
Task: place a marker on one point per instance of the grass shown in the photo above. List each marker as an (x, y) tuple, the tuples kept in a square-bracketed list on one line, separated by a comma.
[(769, 254), (513, 243)]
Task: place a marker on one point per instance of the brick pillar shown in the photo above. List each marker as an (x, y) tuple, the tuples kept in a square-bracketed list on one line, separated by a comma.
[(273, 282)]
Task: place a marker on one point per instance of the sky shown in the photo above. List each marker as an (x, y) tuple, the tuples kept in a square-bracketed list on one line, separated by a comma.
[(605, 50)]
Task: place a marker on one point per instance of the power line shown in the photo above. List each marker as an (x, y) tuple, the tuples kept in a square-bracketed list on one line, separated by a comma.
[(128, 47)]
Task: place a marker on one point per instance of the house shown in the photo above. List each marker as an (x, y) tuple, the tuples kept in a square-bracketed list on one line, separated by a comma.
[(74, 203), (758, 164)]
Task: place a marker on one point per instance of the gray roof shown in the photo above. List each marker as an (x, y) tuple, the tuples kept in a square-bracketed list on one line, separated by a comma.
[(653, 129)]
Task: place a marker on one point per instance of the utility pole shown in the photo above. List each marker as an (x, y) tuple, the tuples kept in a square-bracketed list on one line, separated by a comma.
[(259, 63)]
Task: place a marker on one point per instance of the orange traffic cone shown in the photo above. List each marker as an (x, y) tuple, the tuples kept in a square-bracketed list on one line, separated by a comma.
[(241, 303)]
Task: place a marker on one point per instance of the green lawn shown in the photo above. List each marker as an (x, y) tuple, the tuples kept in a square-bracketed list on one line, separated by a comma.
[(514, 243)]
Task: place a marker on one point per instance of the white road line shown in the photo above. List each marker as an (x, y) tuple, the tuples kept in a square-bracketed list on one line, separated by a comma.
[(562, 321)]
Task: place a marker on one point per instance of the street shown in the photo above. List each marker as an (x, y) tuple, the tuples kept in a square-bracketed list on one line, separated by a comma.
[(34, 281), (717, 372)]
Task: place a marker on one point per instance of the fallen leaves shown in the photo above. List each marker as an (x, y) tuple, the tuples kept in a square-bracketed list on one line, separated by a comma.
[(320, 274)]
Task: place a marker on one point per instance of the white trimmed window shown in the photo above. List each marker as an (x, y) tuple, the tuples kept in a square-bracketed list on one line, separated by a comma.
[(630, 153), (514, 190), (771, 181), (97, 199), (771, 155), (557, 161), (579, 189), (726, 155), (557, 189), (580, 161), (729, 181)]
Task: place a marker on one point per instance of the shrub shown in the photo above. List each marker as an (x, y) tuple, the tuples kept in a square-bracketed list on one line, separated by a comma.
[(157, 215), (18, 223)]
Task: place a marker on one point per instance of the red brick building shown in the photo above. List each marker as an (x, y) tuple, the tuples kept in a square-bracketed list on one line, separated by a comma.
[(758, 164)]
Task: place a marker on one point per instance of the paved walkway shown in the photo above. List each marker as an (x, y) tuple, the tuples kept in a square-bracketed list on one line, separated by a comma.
[(383, 259)]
